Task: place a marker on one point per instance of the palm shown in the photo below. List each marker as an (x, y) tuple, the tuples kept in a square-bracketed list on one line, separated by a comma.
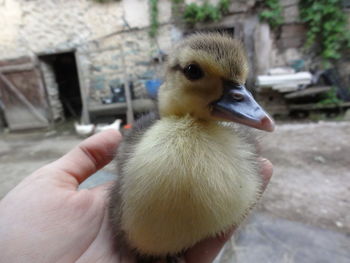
[(49, 210)]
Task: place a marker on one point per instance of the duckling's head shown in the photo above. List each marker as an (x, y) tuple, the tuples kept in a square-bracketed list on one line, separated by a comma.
[(205, 78)]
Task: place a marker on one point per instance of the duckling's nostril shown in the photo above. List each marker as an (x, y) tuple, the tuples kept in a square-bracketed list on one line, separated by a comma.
[(237, 96)]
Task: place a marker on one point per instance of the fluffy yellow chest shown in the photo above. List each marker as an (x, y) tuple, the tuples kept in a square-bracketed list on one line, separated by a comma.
[(186, 181)]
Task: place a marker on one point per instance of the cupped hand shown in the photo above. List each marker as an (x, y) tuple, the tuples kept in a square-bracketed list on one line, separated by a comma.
[(47, 219)]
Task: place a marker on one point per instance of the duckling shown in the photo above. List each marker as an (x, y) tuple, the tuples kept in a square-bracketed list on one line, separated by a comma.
[(188, 172)]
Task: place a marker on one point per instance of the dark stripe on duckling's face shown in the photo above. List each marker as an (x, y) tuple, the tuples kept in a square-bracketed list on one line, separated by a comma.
[(176, 67), (192, 71)]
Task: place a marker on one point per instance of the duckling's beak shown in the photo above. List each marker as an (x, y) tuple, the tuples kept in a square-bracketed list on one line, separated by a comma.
[(237, 104)]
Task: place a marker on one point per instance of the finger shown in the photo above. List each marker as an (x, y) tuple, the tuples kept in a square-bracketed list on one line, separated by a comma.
[(206, 250), (89, 156), (266, 170)]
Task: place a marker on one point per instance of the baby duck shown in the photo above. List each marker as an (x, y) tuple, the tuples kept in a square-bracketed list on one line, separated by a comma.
[(188, 173)]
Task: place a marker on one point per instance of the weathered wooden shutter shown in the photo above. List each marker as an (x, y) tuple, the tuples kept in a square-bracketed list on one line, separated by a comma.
[(23, 94)]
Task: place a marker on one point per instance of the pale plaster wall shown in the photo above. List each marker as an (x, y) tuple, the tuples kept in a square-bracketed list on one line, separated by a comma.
[(47, 26), (10, 20), (137, 12)]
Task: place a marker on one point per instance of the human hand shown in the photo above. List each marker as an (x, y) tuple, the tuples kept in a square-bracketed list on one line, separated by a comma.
[(47, 219)]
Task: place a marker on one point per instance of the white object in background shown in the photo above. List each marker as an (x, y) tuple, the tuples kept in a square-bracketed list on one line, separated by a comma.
[(281, 71), (288, 80), (84, 129), (115, 125), (286, 87)]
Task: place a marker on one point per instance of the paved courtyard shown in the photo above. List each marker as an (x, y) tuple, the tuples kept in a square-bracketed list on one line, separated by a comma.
[(303, 217)]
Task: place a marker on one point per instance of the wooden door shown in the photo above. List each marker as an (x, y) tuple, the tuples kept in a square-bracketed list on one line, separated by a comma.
[(23, 94)]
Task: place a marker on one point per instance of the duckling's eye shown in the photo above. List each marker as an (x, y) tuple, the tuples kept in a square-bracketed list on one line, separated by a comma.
[(193, 72)]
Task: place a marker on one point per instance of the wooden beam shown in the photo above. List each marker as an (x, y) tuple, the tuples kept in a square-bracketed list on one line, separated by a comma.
[(139, 105), (315, 106), (23, 99), (129, 108), (307, 92), (85, 117), (17, 68), (46, 95)]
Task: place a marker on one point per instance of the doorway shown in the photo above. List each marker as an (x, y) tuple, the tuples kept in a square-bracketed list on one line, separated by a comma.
[(63, 82)]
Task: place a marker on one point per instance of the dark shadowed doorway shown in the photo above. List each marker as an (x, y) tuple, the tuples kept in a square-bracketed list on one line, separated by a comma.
[(64, 69)]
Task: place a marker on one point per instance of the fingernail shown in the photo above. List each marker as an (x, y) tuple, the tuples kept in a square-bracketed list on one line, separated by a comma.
[(263, 160)]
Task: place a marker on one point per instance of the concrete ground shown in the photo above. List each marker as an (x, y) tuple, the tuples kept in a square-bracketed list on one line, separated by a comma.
[(268, 239), (304, 214)]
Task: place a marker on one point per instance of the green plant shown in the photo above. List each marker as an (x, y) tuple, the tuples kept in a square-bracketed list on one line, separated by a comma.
[(272, 13), (326, 26), (330, 97), (224, 5), (205, 12), (154, 24)]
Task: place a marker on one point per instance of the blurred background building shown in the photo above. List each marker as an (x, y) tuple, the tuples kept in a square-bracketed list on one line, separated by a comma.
[(62, 59)]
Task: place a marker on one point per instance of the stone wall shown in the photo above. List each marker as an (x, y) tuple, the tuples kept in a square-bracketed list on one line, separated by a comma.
[(282, 46), (128, 54), (47, 26), (51, 26), (52, 91), (291, 37), (111, 40)]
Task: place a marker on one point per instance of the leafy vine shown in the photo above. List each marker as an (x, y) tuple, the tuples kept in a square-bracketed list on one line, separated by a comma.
[(272, 13), (326, 26), (206, 12), (192, 13), (154, 24), (330, 97)]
